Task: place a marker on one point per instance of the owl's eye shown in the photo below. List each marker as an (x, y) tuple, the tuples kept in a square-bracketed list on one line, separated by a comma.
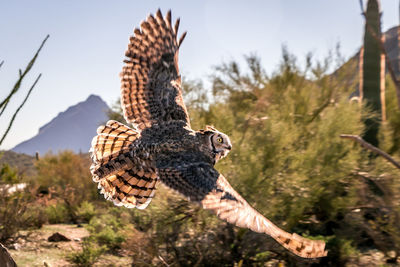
[(219, 140)]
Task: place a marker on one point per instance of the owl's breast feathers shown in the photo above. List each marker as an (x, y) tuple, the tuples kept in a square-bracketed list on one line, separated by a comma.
[(172, 142)]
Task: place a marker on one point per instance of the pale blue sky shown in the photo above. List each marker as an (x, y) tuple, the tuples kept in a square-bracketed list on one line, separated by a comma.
[(88, 38)]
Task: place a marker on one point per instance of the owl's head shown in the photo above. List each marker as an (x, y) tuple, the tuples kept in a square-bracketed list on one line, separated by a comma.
[(217, 142)]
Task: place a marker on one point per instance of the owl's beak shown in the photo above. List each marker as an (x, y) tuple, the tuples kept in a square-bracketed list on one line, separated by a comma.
[(229, 147)]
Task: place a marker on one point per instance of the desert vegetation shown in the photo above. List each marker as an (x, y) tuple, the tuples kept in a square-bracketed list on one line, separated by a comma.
[(288, 161)]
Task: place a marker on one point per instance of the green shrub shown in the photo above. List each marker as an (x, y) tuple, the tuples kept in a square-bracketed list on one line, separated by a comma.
[(68, 177), (17, 210), (107, 230), (35, 216), (85, 211), (11, 209), (8, 175), (108, 237), (89, 254), (57, 213)]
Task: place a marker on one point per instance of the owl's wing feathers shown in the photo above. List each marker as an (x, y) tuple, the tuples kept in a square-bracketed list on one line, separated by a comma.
[(150, 81), (120, 177), (112, 138), (201, 183)]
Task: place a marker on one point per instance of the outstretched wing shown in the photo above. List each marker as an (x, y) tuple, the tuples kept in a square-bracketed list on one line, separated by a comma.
[(200, 182), (150, 81)]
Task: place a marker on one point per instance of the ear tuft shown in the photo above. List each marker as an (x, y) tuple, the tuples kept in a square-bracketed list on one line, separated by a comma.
[(211, 128)]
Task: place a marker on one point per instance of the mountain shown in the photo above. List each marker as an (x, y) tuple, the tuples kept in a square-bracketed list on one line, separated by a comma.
[(23, 163), (393, 48), (72, 129)]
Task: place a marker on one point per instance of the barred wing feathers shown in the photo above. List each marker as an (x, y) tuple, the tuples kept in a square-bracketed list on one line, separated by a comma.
[(122, 178), (112, 139), (150, 80)]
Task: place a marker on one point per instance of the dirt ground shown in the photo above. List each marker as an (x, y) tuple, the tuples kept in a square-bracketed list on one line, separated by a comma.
[(33, 249)]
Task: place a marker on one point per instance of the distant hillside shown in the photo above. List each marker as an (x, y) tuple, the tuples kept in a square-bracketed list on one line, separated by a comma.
[(392, 49), (22, 162), (72, 129)]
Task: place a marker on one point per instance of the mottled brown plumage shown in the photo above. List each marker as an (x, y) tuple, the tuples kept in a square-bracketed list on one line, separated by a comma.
[(150, 78), (129, 163)]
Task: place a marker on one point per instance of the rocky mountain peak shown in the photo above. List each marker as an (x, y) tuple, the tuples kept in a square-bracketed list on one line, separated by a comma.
[(72, 129)]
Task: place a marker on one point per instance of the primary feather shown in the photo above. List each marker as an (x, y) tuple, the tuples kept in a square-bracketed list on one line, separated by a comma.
[(150, 80)]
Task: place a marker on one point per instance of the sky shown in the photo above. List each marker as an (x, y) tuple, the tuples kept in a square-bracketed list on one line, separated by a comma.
[(84, 53)]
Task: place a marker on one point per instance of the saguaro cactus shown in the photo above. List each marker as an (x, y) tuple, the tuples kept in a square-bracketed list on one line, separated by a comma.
[(372, 70)]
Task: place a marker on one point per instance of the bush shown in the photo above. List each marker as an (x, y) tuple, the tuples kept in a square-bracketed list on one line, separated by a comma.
[(17, 209), (85, 212), (35, 216), (107, 230), (57, 213), (89, 254), (11, 209), (67, 176), (18, 212), (182, 234), (8, 175)]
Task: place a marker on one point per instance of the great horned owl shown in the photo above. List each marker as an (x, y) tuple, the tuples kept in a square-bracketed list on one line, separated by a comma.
[(128, 163)]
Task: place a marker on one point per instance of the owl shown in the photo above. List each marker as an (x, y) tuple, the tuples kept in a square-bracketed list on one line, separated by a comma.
[(128, 163)]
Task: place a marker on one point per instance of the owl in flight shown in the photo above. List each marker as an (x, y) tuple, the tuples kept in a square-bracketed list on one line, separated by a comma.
[(128, 163)]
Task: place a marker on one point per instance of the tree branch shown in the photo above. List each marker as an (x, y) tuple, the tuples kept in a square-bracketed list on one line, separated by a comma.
[(17, 85), (18, 109), (318, 110), (371, 147), (362, 7)]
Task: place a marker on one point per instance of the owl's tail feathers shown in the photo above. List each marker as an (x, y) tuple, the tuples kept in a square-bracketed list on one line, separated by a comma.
[(120, 178), (112, 140)]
